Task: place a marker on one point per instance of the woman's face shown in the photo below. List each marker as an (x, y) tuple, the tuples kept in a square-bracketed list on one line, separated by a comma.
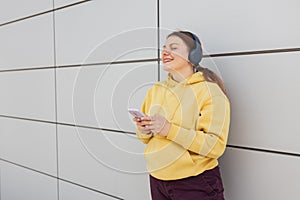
[(175, 54)]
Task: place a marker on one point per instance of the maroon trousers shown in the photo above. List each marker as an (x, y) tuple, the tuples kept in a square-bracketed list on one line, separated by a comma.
[(205, 186)]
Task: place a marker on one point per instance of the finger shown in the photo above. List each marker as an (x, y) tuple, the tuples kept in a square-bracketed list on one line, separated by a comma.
[(144, 129), (147, 118), (150, 127), (140, 124), (136, 119), (144, 123), (147, 128)]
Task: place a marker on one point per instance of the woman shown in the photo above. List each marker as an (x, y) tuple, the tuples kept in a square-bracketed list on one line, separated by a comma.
[(186, 126)]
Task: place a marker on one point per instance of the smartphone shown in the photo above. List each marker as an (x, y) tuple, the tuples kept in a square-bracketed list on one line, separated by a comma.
[(136, 113)]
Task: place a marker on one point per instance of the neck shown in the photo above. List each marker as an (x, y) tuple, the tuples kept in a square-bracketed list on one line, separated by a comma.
[(181, 75)]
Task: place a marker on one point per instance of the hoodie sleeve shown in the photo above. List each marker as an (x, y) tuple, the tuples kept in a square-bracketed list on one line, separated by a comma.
[(145, 138), (210, 136)]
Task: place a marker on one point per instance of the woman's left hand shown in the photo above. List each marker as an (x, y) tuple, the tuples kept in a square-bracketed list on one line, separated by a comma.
[(159, 125)]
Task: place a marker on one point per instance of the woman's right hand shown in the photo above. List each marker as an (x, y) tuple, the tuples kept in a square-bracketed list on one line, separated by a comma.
[(143, 124)]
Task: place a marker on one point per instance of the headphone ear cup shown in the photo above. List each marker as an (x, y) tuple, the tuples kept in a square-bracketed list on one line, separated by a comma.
[(195, 55)]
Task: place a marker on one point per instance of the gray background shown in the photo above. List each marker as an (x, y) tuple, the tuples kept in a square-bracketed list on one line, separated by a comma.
[(70, 69)]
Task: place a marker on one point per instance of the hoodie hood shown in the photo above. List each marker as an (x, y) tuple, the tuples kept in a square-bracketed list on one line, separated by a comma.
[(194, 78)]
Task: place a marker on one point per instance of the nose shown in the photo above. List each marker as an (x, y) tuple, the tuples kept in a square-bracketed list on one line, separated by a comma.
[(165, 52)]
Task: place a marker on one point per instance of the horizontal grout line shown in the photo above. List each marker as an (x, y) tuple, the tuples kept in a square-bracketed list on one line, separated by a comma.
[(81, 65), (92, 189), (133, 133), (42, 13), (66, 124), (264, 150), (253, 52), (156, 59), (95, 128), (29, 168), (27, 119), (104, 129), (61, 179), (26, 69), (70, 5), (111, 63)]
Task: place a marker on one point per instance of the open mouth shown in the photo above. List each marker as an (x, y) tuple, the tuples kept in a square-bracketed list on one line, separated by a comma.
[(167, 60)]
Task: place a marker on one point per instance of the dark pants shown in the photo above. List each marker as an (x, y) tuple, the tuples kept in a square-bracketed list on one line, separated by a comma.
[(206, 186)]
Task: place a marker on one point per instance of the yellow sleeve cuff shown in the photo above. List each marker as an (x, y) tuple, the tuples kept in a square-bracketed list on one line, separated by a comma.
[(173, 132), (181, 136)]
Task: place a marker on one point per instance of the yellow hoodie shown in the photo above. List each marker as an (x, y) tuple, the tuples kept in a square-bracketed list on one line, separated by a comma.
[(199, 114)]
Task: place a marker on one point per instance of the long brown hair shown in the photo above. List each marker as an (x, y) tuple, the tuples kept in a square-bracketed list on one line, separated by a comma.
[(208, 74)]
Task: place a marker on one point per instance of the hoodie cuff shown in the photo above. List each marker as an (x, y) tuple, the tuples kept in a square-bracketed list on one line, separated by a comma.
[(173, 132), (181, 136)]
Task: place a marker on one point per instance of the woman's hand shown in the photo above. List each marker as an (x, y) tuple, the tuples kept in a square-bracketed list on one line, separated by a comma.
[(158, 124), (143, 125)]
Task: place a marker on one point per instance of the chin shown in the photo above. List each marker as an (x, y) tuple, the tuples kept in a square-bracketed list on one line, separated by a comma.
[(167, 68)]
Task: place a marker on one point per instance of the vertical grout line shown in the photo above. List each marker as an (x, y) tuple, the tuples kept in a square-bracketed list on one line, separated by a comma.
[(0, 183), (55, 100), (158, 39)]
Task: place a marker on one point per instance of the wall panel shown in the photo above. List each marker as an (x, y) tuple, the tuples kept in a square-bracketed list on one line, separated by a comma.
[(18, 183), (99, 96), (15, 9), (28, 94), (31, 144), (27, 43), (68, 191), (91, 32), (106, 161), (263, 93), (233, 25), (252, 175)]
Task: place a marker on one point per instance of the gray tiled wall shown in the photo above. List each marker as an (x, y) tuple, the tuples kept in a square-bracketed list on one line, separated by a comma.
[(66, 62)]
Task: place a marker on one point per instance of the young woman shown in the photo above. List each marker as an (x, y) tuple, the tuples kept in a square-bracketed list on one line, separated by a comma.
[(187, 125)]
